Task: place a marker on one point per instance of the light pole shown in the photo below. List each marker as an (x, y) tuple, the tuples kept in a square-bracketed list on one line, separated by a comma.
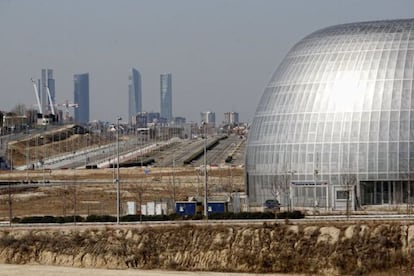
[(315, 201), (288, 189), (27, 153), (43, 158), (203, 124), (118, 194), (173, 177)]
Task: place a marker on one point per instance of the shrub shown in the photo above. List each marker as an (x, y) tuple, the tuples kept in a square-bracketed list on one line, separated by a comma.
[(49, 219), (243, 215), (102, 218), (290, 215)]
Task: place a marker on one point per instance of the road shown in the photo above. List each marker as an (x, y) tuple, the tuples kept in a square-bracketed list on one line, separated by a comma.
[(43, 270)]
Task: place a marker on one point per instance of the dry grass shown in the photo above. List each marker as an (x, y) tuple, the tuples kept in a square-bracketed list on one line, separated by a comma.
[(100, 196), (258, 249)]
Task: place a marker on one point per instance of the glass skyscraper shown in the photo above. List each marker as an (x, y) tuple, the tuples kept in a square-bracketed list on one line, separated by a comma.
[(47, 81), (340, 106), (134, 94), (166, 97), (81, 95)]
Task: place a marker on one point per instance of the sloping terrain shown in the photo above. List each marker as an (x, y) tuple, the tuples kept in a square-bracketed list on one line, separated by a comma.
[(343, 249)]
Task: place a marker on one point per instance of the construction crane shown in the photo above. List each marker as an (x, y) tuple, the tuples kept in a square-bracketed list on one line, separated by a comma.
[(66, 105), (52, 108), (36, 91)]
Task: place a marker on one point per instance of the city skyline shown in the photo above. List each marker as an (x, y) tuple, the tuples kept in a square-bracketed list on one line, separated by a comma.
[(221, 53)]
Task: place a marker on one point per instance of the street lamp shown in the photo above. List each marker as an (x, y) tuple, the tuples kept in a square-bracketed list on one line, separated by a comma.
[(43, 157), (315, 201), (203, 125), (118, 195), (288, 189)]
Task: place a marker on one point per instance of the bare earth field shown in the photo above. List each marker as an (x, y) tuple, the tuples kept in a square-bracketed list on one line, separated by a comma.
[(87, 192)]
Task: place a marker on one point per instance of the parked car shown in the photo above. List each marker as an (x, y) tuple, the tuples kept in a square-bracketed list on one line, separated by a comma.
[(271, 204)]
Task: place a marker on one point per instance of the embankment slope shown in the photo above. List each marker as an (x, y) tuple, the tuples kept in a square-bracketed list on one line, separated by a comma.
[(323, 249)]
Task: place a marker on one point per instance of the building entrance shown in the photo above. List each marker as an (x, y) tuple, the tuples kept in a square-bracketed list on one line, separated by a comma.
[(387, 192)]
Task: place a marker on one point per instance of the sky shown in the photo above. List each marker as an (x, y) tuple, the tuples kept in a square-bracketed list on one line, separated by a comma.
[(221, 53)]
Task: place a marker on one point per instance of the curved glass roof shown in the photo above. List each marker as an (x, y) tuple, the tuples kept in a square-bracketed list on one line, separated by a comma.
[(340, 101)]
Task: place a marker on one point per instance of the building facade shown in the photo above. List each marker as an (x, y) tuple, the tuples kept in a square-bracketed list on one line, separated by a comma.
[(81, 97), (335, 122), (47, 81), (209, 118), (134, 94), (166, 96), (231, 118)]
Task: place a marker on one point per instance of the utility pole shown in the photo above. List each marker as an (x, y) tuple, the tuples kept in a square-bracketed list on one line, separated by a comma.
[(203, 124), (118, 194), (27, 154), (173, 178)]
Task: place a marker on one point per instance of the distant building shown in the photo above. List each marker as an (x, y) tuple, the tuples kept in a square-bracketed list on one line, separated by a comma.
[(142, 119), (81, 95), (47, 80), (134, 94), (166, 96), (154, 117), (231, 118), (209, 118), (179, 121), (31, 115)]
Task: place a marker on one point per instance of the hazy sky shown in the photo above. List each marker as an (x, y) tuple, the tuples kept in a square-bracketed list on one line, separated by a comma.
[(221, 53)]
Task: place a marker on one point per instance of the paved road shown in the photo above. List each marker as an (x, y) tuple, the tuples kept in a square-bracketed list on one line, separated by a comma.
[(41, 270)]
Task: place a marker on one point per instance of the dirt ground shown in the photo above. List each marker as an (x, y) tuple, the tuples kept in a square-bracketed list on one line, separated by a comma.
[(85, 192)]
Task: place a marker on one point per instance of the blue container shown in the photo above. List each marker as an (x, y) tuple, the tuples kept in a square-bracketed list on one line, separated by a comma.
[(186, 208), (217, 207)]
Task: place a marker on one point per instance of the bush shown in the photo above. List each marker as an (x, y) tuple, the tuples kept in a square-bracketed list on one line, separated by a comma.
[(102, 218), (243, 215), (290, 215), (48, 219)]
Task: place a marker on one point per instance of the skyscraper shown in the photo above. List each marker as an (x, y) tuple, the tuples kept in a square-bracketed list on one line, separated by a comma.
[(81, 94), (47, 81), (166, 96), (209, 118), (231, 118), (134, 94)]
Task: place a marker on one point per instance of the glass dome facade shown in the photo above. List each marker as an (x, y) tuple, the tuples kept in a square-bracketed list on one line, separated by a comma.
[(340, 103)]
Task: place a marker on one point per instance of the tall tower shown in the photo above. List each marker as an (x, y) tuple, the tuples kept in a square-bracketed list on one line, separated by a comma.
[(166, 96), (47, 80), (231, 118), (209, 118), (81, 95), (134, 94)]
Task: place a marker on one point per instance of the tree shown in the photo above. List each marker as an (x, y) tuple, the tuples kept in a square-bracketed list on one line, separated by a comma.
[(348, 181), (19, 109), (139, 189)]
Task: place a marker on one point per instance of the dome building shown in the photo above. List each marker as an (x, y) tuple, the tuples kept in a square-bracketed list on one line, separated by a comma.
[(335, 124)]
